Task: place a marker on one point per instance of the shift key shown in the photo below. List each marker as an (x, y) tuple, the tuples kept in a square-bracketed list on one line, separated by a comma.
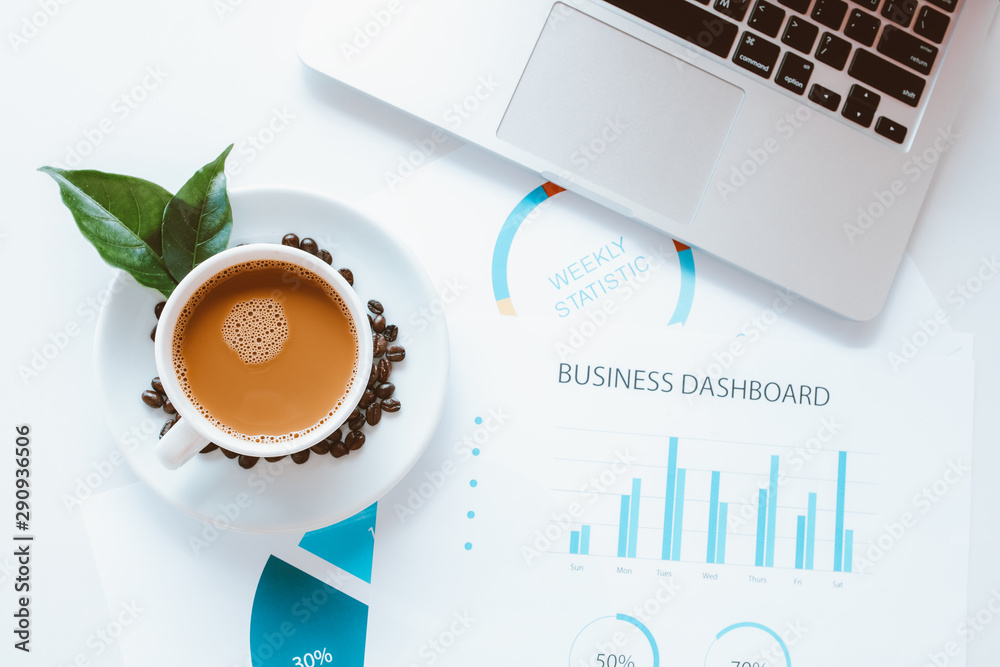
[(887, 77)]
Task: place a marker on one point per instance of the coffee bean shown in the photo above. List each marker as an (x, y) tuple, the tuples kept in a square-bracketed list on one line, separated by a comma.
[(373, 414), (348, 276), (325, 256), (371, 322), (158, 309), (169, 408), (152, 398), (379, 345), (210, 447), (385, 390), (378, 324), (367, 398), (355, 439), (376, 307), (373, 377), (290, 240), (356, 421), (339, 449), (167, 425), (309, 245), (157, 386), (248, 462), (395, 353), (152, 335), (301, 457), (391, 331), (273, 459), (384, 369), (228, 454), (390, 405), (321, 448), (334, 437)]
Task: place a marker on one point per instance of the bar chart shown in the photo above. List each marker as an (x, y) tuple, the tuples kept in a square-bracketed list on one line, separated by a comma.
[(730, 506)]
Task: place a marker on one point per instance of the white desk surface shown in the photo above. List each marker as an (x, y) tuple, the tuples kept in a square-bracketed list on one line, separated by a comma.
[(224, 69)]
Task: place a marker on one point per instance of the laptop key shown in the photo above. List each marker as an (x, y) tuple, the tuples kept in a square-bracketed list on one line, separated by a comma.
[(900, 11), (829, 13), (861, 105), (767, 18), (864, 96), (931, 24), (887, 77), (734, 9), (794, 73), (800, 6), (756, 54), (687, 21), (947, 5), (890, 129), (800, 34), (833, 51), (860, 113), (862, 27), (824, 97), (868, 4), (907, 49)]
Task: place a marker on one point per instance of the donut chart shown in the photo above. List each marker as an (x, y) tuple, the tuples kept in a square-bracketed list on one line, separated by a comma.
[(501, 251), (524, 208), (752, 643), (615, 641)]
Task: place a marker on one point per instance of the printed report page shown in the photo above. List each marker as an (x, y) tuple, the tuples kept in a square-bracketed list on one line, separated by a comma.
[(623, 506)]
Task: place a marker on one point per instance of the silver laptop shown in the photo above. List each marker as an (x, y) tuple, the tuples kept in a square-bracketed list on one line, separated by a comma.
[(793, 138)]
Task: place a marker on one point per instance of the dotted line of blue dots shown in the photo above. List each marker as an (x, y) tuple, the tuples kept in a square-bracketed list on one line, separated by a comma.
[(473, 483)]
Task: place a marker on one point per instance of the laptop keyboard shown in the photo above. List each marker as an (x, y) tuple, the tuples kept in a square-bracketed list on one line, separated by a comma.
[(868, 61)]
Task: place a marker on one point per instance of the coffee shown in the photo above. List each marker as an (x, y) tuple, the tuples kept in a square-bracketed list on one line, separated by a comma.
[(266, 351)]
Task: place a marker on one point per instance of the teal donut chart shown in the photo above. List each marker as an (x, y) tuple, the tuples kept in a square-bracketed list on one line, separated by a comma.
[(501, 256), (763, 628), (631, 621)]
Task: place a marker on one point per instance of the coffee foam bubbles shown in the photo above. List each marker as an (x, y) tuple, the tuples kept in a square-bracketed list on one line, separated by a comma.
[(256, 330)]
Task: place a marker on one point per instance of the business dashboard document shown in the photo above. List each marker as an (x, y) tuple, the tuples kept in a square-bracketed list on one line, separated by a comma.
[(635, 503)]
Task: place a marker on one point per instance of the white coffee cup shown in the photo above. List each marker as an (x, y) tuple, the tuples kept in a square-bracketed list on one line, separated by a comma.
[(193, 432)]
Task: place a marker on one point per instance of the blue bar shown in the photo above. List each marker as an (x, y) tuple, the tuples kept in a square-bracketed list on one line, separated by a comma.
[(720, 552), (761, 526), (848, 550), (838, 537), (713, 517), (574, 542), (668, 511), (800, 542), (633, 519), (585, 540), (772, 511), (811, 531), (678, 515), (623, 528)]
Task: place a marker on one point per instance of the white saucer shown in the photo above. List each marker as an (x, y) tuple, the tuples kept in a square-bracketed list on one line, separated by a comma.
[(284, 497)]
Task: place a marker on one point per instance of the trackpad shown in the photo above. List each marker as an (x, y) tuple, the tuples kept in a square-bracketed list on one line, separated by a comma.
[(621, 114)]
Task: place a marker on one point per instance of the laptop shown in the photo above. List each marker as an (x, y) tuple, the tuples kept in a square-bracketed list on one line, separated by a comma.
[(795, 139)]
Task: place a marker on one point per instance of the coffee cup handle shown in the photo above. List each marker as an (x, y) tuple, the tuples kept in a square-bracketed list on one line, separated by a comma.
[(179, 445)]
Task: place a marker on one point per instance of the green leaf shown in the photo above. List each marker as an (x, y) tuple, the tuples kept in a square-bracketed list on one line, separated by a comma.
[(198, 220), (121, 216)]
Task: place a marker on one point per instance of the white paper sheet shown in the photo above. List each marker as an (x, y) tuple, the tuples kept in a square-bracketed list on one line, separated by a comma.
[(535, 457)]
